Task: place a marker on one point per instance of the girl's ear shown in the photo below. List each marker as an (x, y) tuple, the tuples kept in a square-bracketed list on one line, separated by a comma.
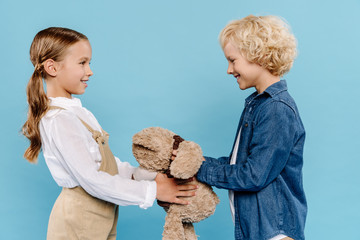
[(51, 67)]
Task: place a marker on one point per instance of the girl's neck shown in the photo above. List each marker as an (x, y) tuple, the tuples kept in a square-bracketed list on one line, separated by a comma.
[(69, 96), (53, 91)]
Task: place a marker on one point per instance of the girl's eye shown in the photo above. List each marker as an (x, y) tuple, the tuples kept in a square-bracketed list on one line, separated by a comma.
[(82, 63)]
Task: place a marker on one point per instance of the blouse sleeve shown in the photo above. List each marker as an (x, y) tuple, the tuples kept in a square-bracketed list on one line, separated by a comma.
[(71, 146), (124, 168)]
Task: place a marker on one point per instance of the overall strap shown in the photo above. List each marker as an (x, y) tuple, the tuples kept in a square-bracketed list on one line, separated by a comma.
[(108, 162), (55, 107)]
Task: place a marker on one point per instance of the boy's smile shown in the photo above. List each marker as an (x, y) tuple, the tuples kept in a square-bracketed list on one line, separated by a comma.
[(247, 74)]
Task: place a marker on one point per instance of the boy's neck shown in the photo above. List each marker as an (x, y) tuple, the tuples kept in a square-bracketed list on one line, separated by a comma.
[(265, 81)]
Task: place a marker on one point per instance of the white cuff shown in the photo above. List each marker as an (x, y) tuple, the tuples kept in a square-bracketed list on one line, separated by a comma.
[(142, 174), (150, 195), (278, 237)]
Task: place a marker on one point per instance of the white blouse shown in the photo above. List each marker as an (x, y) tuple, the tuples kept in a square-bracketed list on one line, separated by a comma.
[(73, 157)]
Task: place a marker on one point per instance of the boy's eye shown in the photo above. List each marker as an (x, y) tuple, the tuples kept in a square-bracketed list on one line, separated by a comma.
[(83, 62)]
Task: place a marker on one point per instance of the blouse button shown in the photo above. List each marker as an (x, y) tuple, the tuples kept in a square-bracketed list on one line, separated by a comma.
[(246, 125)]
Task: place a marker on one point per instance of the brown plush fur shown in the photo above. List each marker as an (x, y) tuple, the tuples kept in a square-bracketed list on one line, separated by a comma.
[(152, 148)]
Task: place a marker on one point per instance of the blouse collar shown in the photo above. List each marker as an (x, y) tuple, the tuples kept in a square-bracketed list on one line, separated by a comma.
[(65, 102)]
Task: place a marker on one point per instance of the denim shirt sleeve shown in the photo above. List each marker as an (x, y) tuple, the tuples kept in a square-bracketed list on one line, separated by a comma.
[(221, 160), (273, 136)]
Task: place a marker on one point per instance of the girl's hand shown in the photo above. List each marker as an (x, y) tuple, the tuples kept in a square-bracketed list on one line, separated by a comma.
[(169, 191)]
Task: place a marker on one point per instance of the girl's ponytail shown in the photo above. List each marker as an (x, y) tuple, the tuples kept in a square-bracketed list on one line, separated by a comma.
[(50, 43), (38, 104)]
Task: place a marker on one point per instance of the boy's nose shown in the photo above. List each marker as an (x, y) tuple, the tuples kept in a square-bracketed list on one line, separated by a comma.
[(230, 69)]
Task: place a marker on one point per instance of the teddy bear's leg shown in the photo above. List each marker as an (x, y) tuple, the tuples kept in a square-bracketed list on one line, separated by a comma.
[(173, 228), (189, 231)]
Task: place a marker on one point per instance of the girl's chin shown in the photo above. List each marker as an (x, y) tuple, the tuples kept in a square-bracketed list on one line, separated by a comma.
[(81, 92)]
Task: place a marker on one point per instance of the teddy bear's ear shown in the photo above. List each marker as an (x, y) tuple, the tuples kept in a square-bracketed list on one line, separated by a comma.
[(153, 138), (188, 160), (152, 148), (144, 139)]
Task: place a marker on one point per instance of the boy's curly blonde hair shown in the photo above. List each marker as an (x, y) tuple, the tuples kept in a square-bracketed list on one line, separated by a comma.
[(265, 40)]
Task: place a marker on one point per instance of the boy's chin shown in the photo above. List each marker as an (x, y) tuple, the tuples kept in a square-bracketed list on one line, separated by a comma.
[(242, 87)]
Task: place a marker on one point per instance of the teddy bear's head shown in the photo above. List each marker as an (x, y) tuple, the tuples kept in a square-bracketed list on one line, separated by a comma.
[(153, 147)]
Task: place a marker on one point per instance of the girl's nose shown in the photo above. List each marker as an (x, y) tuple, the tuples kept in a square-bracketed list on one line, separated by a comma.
[(89, 72)]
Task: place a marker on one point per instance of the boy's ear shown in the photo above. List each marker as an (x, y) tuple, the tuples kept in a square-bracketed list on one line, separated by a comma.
[(51, 67)]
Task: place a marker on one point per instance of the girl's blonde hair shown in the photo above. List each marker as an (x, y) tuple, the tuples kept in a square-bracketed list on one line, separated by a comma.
[(265, 40), (50, 43)]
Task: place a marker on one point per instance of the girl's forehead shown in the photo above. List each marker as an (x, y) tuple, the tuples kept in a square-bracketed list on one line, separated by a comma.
[(79, 49)]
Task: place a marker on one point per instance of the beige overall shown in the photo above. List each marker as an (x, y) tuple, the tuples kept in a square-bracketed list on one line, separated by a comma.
[(76, 214)]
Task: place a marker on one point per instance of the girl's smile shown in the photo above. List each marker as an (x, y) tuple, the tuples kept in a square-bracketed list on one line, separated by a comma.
[(84, 82), (71, 75)]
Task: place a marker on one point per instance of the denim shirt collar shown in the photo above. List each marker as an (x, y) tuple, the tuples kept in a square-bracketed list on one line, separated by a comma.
[(272, 90)]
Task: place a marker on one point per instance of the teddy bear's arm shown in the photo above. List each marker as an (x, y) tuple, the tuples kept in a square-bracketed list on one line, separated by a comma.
[(188, 160)]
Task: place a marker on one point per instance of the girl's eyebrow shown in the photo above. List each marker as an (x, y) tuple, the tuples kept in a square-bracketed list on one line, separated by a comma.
[(85, 58)]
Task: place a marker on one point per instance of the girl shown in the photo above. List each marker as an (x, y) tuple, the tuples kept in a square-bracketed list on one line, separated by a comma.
[(264, 170), (75, 147)]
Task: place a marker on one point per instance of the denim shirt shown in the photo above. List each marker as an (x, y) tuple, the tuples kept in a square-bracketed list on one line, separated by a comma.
[(267, 178)]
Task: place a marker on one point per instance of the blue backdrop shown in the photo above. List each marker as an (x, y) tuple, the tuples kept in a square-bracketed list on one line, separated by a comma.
[(158, 63)]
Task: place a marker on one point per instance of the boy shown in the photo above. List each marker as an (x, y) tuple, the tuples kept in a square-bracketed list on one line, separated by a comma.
[(264, 170)]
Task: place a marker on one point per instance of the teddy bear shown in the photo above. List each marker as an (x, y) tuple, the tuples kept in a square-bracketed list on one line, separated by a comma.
[(153, 149)]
